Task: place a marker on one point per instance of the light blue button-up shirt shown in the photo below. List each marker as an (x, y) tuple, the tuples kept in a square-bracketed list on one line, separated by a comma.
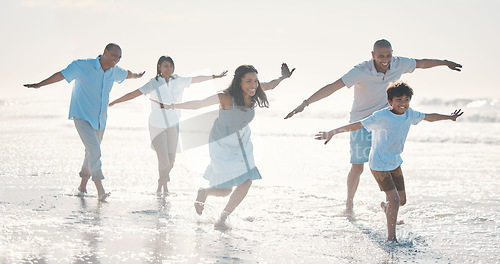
[(90, 96)]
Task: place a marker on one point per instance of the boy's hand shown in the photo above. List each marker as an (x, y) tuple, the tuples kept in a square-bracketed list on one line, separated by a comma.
[(456, 114), (324, 136), (453, 65)]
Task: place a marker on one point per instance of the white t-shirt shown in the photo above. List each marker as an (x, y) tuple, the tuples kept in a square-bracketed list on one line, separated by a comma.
[(165, 93), (389, 136), (370, 86)]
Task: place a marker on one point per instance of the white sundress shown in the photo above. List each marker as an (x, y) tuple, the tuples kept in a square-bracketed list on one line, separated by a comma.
[(231, 150)]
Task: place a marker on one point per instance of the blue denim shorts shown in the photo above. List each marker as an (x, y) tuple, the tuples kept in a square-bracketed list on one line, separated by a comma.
[(361, 143)]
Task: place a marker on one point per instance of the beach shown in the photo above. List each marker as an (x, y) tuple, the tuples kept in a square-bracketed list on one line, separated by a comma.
[(295, 214)]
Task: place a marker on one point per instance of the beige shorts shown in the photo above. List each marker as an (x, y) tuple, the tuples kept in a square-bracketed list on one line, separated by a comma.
[(390, 180)]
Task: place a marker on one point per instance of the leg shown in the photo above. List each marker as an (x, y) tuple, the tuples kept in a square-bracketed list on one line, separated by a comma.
[(203, 193), (238, 195), (352, 184), (172, 142), (399, 182), (391, 213), (84, 173), (83, 185), (402, 197), (160, 145), (102, 195), (360, 144), (92, 141)]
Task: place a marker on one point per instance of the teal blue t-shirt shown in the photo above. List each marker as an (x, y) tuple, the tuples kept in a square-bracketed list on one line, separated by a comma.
[(389, 136)]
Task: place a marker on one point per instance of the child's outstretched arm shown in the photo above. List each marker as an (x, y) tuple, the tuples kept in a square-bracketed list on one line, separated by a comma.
[(328, 135), (439, 117)]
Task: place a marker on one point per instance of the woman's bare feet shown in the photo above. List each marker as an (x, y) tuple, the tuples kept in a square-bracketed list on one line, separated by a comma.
[(221, 223), (82, 191), (199, 204), (103, 197)]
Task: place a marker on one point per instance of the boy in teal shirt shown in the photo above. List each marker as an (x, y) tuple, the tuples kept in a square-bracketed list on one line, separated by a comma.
[(390, 127)]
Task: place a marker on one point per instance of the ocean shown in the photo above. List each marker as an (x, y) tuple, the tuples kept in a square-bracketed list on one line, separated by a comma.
[(295, 214)]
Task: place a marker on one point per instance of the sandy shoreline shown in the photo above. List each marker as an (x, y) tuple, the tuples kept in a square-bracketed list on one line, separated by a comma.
[(293, 215)]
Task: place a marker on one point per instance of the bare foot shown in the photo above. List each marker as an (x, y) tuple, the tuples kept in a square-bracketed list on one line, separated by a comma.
[(221, 223), (384, 208), (384, 205), (82, 189), (103, 197), (199, 204), (349, 206)]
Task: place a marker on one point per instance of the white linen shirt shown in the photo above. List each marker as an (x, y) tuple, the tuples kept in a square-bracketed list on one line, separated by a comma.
[(165, 93), (370, 86), (90, 95), (389, 136)]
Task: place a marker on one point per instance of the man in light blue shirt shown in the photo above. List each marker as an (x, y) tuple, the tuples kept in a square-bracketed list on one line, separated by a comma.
[(94, 79)]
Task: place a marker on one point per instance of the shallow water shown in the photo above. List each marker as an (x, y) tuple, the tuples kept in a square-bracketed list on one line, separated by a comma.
[(293, 215)]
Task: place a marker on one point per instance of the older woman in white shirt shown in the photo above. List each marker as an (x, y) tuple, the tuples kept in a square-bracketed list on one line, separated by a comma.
[(165, 88)]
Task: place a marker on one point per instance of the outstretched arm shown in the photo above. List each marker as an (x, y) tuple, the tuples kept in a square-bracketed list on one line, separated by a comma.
[(131, 75), (320, 94), (126, 97), (195, 104), (328, 135), (429, 63), (56, 77), (285, 73), (199, 79), (439, 117)]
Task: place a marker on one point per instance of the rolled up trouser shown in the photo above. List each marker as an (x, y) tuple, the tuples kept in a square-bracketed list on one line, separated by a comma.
[(91, 139)]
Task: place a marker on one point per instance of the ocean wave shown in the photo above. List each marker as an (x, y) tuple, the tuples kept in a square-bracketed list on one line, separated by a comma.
[(442, 138)]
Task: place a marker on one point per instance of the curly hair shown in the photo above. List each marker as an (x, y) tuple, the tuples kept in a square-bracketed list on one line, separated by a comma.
[(397, 89), (236, 92)]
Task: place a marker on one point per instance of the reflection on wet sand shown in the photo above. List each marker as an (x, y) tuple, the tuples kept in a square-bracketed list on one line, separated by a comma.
[(90, 218)]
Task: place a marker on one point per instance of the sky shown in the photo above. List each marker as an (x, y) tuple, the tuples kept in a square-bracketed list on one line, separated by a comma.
[(322, 39)]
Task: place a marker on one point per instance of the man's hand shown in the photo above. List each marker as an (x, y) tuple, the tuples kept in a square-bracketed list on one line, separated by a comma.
[(454, 66), (33, 85)]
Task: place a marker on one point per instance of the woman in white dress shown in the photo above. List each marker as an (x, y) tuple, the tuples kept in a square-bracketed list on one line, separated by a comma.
[(165, 88), (230, 147)]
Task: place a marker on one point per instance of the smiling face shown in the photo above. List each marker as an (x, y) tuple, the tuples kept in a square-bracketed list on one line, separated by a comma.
[(399, 104), (111, 57), (249, 84), (166, 68), (382, 57)]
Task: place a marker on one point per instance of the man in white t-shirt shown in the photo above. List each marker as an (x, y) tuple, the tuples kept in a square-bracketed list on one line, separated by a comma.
[(370, 80)]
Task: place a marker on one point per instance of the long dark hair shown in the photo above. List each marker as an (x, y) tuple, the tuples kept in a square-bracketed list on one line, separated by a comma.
[(160, 61), (236, 92)]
